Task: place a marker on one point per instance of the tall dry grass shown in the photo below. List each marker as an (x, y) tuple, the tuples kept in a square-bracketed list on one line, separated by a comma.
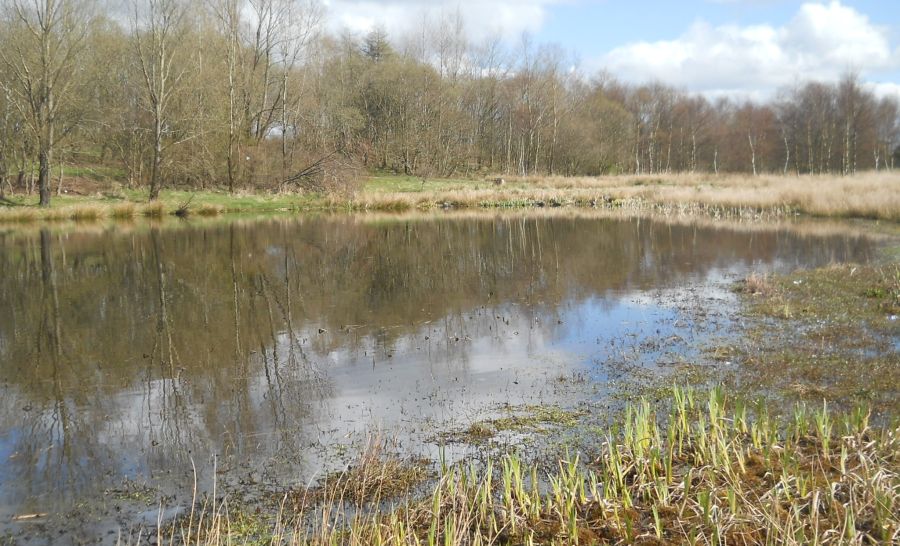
[(865, 195), (90, 212)]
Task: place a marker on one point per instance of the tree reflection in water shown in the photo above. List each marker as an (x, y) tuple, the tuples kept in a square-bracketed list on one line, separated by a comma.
[(131, 353)]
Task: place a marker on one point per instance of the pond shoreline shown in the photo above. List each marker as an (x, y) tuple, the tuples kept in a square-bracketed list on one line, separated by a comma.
[(874, 196)]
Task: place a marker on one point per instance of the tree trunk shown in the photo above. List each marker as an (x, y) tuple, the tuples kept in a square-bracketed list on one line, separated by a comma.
[(284, 150), (44, 176), (59, 181), (787, 155), (752, 153), (154, 171)]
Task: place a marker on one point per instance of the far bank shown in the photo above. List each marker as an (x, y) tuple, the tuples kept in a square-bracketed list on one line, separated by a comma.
[(867, 195)]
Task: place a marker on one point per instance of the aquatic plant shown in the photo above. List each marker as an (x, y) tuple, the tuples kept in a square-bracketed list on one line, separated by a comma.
[(710, 469)]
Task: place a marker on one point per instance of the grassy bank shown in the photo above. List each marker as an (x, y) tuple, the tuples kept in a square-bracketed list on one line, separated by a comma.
[(867, 195), (711, 469)]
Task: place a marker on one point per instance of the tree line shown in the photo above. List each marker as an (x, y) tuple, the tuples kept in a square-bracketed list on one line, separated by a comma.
[(256, 95)]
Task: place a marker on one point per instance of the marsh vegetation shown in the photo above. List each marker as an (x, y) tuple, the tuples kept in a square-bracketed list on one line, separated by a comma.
[(769, 197), (711, 468)]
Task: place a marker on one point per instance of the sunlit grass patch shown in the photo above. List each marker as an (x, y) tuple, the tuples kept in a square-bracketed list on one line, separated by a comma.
[(384, 183)]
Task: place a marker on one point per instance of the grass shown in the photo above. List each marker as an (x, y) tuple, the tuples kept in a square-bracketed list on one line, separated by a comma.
[(827, 332), (866, 195), (709, 469), (757, 285), (377, 475), (125, 211), (857, 293), (522, 419), (126, 204), (386, 183)]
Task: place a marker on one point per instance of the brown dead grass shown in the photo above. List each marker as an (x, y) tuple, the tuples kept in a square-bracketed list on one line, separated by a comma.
[(865, 195), (209, 209), (757, 285), (375, 476)]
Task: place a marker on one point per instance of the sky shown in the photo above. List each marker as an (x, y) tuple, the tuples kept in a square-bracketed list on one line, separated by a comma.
[(745, 48)]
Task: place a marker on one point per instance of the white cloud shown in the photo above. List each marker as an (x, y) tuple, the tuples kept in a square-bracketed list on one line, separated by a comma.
[(885, 89), (822, 41), (482, 18)]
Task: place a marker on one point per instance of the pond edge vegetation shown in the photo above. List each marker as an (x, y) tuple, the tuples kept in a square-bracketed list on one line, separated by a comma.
[(711, 468), (867, 196)]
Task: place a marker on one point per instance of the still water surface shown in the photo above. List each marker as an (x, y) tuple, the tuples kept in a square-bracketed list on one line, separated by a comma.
[(127, 355)]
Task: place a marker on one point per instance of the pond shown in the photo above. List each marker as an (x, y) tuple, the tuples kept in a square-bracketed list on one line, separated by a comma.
[(264, 352)]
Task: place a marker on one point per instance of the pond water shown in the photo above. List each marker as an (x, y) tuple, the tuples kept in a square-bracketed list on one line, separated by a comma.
[(130, 355)]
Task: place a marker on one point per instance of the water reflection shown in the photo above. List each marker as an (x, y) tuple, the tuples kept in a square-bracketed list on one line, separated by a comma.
[(140, 353)]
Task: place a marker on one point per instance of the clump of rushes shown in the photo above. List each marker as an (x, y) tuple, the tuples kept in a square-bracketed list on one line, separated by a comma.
[(757, 284), (86, 213), (210, 209), (18, 214), (154, 210), (124, 211), (711, 470), (375, 476)]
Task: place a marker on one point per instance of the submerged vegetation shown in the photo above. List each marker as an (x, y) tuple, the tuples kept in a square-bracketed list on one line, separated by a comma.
[(828, 333), (712, 469), (516, 420)]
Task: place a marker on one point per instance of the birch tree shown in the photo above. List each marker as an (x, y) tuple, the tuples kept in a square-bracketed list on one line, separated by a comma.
[(158, 27)]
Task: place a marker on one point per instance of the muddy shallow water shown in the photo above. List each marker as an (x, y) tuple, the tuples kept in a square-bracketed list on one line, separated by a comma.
[(269, 350)]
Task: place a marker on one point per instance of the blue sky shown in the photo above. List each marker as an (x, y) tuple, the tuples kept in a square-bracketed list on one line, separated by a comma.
[(716, 47), (596, 26)]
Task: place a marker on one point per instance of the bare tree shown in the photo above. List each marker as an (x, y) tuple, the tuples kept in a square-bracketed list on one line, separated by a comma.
[(46, 38), (158, 29), (302, 21)]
